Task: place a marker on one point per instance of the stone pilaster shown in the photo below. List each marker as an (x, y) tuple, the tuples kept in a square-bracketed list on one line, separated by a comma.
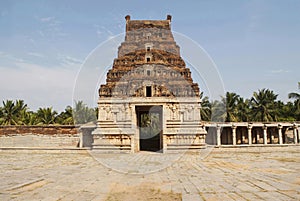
[(295, 134)]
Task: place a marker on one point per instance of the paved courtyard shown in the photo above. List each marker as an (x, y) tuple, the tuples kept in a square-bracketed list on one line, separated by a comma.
[(257, 173)]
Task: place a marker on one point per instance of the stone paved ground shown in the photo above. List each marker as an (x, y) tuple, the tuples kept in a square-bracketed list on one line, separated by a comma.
[(259, 173)]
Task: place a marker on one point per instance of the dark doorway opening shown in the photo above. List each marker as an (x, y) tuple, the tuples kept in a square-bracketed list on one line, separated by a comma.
[(148, 91), (150, 127)]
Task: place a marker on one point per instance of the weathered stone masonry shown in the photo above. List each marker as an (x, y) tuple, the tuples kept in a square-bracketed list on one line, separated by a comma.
[(39, 137)]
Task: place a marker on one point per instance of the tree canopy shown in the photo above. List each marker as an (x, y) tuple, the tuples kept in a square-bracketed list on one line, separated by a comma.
[(263, 106), (17, 113)]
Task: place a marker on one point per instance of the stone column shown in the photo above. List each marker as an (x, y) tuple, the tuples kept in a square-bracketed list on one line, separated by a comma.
[(271, 136), (249, 134), (218, 135), (298, 133), (164, 143), (233, 134), (280, 134), (243, 136), (132, 144), (81, 139), (295, 134), (257, 136), (265, 134)]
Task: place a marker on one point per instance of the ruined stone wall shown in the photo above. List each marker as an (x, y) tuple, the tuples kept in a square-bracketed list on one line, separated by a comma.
[(39, 137)]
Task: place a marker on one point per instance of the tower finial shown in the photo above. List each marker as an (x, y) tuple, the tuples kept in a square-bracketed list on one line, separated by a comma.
[(169, 17), (127, 17)]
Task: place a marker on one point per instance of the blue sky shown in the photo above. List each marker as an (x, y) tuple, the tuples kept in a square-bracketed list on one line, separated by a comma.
[(255, 44)]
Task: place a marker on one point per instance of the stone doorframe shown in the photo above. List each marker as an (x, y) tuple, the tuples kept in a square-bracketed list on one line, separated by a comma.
[(139, 109)]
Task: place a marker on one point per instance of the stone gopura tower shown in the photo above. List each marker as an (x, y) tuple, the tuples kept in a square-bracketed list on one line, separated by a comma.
[(149, 101)]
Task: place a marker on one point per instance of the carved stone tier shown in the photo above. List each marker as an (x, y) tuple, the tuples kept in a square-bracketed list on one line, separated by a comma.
[(117, 128)]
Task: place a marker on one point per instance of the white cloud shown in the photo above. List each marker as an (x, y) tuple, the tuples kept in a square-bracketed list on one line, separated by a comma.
[(36, 54), (41, 33), (279, 71), (50, 27), (6, 57), (101, 31), (69, 61), (46, 19), (38, 86)]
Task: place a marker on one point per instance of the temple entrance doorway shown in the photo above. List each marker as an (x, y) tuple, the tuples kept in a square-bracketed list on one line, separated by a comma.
[(149, 121)]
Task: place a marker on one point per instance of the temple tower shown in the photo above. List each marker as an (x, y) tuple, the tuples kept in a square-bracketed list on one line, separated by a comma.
[(149, 101)]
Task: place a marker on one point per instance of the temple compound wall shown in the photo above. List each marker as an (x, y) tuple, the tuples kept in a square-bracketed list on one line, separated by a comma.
[(229, 134), (44, 137)]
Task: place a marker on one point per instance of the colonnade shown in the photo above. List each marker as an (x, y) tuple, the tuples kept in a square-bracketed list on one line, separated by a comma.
[(240, 133)]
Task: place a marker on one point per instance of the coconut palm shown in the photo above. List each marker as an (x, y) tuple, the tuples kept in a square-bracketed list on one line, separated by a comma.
[(46, 115), (205, 108), (262, 106), (218, 111), (230, 102), (10, 113), (296, 96), (226, 109), (66, 117), (242, 109), (83, 114), (286, 111), (22, 112), (31, 118)]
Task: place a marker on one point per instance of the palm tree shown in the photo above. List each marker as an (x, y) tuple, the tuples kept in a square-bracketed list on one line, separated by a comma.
[(1, 114), (31, 118), (226, 109), (262, 105), (242, 109), (230, 102), (9, 113), (218, 111), (22, 109), (286, 111), (205, 108), (66, 117), (46, 115), (83, 114), (296, 96)]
